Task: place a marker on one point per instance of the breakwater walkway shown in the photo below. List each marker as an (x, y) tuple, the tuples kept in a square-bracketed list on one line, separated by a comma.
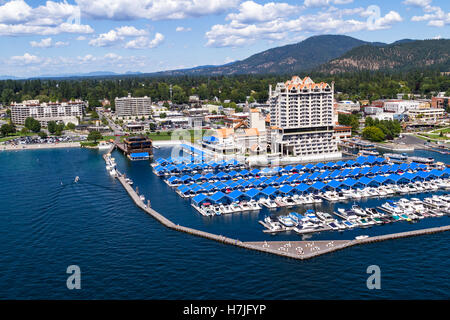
[(292, 249)]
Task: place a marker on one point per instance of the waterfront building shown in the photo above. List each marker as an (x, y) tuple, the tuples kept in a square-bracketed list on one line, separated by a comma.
[(139, 144), (65, 112), (430, 114), (133, 106), (301, 119), (342, 132), (401, 106), (348, 106), (246, 136), (371, 110), (440, 102)]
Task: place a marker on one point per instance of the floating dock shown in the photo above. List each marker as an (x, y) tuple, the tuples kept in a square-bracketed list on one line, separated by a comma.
[(292, 249)]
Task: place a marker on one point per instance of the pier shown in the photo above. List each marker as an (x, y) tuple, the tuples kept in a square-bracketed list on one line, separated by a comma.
[(292, 249)]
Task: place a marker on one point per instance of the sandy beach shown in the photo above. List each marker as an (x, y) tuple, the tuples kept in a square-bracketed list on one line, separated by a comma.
[(39, 146)]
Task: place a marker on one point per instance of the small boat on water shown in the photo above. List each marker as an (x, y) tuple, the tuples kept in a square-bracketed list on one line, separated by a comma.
[(361, 237)]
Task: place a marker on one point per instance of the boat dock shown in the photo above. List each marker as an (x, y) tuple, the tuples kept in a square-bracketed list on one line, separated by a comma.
[(292, 249)]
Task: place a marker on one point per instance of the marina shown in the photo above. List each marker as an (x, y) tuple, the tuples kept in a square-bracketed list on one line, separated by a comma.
[(309, 222), (296, 250), (225, 187)]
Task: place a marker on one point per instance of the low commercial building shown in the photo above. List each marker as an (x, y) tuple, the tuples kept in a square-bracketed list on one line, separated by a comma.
[(64, 112), (348, 106), (372, 110), (431, 114), (401, 106), (440, 102), (342, 132)]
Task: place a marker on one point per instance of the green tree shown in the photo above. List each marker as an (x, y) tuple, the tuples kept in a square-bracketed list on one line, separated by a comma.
[(32, 124), (42, 134), (7, 129), (162, 115), (94, 115), (373, 133), (7, 96), (51, 127), (70, 126), (94, 136)]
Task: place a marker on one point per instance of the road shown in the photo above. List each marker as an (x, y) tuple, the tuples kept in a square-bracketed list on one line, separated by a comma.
[(118, 131)]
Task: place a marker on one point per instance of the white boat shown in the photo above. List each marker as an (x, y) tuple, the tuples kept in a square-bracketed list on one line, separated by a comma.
[(286, 221), (103, 145), (269, 203), (361, 237), (254, 205), (142, 198)]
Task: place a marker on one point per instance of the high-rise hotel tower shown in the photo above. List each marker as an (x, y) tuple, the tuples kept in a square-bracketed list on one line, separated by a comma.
[(301, 119)]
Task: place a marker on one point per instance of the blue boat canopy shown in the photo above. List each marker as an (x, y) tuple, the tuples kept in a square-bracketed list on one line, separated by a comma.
[(285, 189), (199, 198), (252, 193), (318, 185), (269, 191), (302, 187), (235, 195), (217, 196), (364, 180), (334, 184), (349, 182)]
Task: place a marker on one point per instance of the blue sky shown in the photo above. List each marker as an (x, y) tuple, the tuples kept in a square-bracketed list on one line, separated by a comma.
[(74, 36)]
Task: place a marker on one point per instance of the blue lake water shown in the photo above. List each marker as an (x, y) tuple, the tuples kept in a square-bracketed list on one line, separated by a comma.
[(48, 222)]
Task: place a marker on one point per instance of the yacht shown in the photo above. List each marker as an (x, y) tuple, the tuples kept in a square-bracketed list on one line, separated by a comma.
[(358, 210), (254, 205), (272, 224), (269, 203), (286, 221), (103, 145), (325, 217)]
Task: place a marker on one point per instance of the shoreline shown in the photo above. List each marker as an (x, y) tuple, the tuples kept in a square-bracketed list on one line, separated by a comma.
[(40, 146)]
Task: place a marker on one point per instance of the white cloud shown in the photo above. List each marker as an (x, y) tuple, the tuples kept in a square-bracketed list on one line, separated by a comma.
[(59, 44), (435, 16), (417, 3), (115, 36), (236, 33), (44, 43), (145, 42), (87, 58), (26, 59), (18, 18), (250, 11), (324, 3), (48, 43), (80, 38), (130, 31), (182, 29), (113, 56), (153, 9)]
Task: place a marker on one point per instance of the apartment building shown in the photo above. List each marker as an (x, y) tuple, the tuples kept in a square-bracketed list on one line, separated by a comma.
[(133, 106), (71, 111), (301, 119)]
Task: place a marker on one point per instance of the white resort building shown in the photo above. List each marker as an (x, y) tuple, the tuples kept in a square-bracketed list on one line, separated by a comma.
[(133, 106), (71, 111), (301, 119)]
